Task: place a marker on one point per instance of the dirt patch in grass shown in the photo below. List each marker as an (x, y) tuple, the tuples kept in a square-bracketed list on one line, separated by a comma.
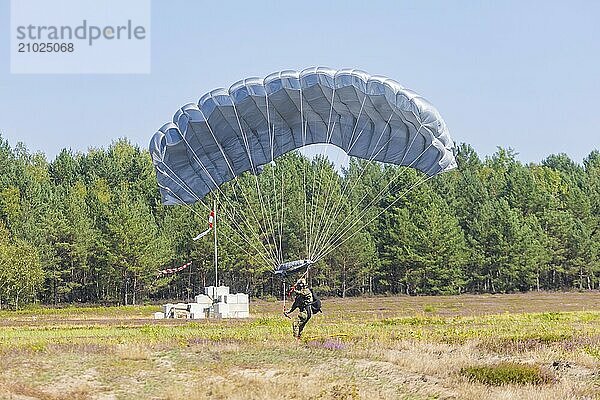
[(25, 391)]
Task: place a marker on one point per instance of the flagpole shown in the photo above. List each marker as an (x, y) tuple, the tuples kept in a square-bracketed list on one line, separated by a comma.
[(215, 235)]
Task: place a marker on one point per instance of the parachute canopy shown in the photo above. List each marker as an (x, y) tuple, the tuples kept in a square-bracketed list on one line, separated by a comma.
[(240, 129)]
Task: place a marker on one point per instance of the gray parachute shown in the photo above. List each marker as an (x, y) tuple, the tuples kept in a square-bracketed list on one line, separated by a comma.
[(256, 120)]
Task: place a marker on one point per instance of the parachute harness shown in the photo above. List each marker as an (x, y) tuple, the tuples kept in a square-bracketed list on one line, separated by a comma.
[(292, 288)]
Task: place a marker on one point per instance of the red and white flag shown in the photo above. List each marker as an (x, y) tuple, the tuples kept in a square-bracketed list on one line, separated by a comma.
[(173, 270), (211, 220)]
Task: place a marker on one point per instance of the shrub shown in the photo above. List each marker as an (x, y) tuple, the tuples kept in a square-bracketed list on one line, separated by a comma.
[(507, 373), (429, 308)]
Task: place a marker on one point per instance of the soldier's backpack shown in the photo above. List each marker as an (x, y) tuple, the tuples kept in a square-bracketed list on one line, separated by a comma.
[(316, 304)]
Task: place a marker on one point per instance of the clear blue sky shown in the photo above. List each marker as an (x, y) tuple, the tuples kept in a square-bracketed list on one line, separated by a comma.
[(520, 74)]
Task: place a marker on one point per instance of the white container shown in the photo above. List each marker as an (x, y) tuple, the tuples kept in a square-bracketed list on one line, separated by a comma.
[(202, 314), (159, 315), (238, 298), (223, 298), (227, 305), (203, 299), (242, 298), (210, 291), (180, 313), (215, 291), (167, 309), (221, 310), (197, 311), (241, 314), (222, 290), (243, 307)]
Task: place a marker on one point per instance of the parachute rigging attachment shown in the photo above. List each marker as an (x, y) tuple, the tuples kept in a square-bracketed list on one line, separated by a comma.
[(292, 266)]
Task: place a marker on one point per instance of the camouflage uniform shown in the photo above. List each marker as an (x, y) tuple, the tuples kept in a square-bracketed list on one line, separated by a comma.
[(303, 302)]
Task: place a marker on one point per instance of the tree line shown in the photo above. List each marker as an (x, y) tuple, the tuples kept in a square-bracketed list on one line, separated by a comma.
[(88, 227)]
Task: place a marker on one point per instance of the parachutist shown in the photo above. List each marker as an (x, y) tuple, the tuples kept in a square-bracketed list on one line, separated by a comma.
[(306, 302)]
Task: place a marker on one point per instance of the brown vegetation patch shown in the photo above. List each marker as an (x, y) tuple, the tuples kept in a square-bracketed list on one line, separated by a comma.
[(21, 390)]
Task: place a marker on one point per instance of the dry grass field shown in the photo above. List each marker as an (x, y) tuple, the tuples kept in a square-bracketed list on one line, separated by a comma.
[(523, 346)]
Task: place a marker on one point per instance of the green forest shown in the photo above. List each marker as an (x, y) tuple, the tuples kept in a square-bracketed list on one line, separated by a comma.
[(90, 228)]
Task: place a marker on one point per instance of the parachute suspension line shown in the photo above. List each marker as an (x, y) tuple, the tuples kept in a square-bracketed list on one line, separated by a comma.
[(362, 105), (359, 133), (231, 216), (310, 214), (196, 213), (337, 209), (370, 160), (187, 188), (325, 212), (277, 226), (274, 187), (277, 204), (264, 215), (214, 137), (281, 219), (352, 137), (373, 155), (329, 221), (284, 295), (303, 129), (202, 216), (343, 229), (336, 245), (235, 179), (279, 208), (272, 225), (314, 207), (330, 131), (193, 194), (277, 223)]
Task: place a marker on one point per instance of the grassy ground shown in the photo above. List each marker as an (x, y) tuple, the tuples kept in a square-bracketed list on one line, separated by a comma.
[(531, 346)]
